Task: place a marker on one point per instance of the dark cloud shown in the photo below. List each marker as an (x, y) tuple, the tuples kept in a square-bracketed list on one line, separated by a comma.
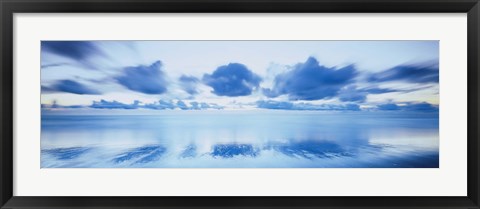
[(410, 73), (103, 104), (375, 90), (420, 107), (306, 106), (76, 50), (189, 84), (353, 94), (311, 81), (145, 79), (232, 80), (388, 107), (69, 86), (46, 89), (45, 66)]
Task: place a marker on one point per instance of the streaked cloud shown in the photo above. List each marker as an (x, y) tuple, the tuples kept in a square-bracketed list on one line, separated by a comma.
[(69, 86), (76, 50), (420, 73)]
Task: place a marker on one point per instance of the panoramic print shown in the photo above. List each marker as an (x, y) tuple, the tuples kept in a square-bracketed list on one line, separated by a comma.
[(239, 104)]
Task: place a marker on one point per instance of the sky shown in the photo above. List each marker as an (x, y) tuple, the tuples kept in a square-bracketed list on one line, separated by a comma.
[(239, 75)]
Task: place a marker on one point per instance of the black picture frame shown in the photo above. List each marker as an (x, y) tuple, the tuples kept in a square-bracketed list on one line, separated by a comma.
[(10, 7)]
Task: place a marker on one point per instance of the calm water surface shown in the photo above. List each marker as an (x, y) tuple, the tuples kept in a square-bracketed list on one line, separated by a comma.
[(241, 139)]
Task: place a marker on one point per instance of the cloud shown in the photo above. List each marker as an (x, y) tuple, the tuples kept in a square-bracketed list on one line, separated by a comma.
[(189, 84), (275, 105), (232, 80), (311, 81), (160, 105), (388, 107), (352, 94), (421, 107), (69, 86), (145, 79), (376, 90), (306, 106), (420, 73), (195, 106), (45, 66), (182, 105), (204, 105), (103, 104), (76, 50), (56, 105)]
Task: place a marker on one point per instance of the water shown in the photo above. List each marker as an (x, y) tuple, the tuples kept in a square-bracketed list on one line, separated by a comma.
[(241, 139)]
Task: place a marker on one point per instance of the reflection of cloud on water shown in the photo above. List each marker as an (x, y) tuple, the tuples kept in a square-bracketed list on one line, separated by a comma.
[(292, 153), (189, 152), (143, 154), (67, 153), (232, 150), (310, 149)]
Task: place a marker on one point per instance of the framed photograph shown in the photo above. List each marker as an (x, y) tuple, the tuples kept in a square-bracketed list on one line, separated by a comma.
[(239, 104)]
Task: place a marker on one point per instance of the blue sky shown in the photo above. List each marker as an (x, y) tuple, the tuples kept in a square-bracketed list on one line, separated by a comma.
[(240, 75)]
